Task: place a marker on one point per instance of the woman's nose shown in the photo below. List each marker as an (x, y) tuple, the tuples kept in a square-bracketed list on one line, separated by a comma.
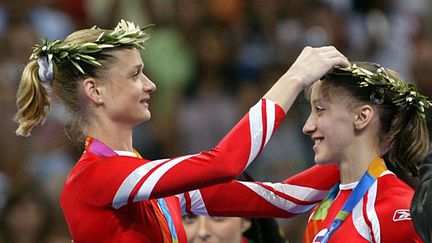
[(204, 230), (149, 86), (309, 126)]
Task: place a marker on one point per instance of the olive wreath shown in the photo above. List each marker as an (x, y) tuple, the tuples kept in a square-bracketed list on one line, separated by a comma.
[(405, 94), (125, 34)]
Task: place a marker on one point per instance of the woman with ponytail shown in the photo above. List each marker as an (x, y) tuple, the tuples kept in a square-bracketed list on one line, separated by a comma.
[(363, 117), (113, 194)]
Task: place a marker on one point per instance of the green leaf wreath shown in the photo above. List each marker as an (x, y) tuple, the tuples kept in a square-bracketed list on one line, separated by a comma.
[(125, 34), (405, 94)]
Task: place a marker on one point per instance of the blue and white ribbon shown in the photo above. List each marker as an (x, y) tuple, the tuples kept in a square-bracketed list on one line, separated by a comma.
[(46, 69)]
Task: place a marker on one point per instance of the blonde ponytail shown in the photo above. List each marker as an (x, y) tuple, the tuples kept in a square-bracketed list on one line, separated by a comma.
[(32, 100)]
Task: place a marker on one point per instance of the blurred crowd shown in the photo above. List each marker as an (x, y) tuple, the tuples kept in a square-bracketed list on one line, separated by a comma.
[(211, 60)]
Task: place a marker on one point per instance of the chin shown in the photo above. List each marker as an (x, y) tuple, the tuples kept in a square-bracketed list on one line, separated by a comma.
[(319, 160), (146, 116), (138, 120)]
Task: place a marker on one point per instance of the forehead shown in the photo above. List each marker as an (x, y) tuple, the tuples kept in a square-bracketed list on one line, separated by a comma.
[(316, 92), (320, 92)]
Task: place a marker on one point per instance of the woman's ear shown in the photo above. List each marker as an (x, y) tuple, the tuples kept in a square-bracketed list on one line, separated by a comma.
[(91, 91), (363, 116)]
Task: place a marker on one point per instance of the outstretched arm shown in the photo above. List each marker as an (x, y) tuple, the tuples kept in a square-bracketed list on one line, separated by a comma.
[(293, 196)]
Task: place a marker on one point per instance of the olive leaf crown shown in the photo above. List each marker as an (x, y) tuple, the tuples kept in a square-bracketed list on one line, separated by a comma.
[(404, 95), (125, 34)]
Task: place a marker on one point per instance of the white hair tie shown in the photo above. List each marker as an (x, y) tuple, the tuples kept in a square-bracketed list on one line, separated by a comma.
[(46, 69)]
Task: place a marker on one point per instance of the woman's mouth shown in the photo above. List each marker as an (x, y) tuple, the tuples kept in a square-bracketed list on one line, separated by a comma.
[(317, 142), (145, 102)]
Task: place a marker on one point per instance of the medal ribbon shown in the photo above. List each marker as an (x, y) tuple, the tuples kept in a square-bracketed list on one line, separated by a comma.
[(368, 179)]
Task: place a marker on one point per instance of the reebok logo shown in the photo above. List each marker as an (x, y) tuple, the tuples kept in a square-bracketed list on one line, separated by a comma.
[(401, 214)]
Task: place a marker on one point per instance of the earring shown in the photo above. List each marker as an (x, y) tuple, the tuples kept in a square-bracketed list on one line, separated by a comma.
[(99, 101)]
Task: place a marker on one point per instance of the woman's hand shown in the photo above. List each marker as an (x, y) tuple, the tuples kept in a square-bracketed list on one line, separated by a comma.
[(313, 63), (310, 66)]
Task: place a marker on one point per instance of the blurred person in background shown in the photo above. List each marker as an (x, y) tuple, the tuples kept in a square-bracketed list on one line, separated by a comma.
[(27, 215), (40, 15), (201, 124), (215, 229), (231, 230)]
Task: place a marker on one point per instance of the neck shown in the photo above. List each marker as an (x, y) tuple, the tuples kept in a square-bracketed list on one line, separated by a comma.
[(116, 136), (352, 168)]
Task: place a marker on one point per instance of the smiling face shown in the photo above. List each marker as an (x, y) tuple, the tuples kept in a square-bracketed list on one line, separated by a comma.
[(215, 229), (330, 124), (125, 94)]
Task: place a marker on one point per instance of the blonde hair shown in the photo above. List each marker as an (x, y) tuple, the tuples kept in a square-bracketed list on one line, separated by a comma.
[(33, 101)]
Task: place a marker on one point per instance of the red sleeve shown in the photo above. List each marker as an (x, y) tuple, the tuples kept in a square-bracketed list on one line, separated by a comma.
[(295, 195), (317, 177), (119, 180)]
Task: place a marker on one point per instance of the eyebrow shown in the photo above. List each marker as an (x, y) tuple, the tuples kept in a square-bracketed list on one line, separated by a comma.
[(316, 101), (319, 100), (138, 66)]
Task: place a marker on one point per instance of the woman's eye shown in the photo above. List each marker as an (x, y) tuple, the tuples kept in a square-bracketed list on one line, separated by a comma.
[(319, 108), (137, 73), (189, 219), (218, 219)]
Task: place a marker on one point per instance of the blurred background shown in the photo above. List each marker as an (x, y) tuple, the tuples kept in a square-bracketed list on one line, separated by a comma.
[(211, 60)]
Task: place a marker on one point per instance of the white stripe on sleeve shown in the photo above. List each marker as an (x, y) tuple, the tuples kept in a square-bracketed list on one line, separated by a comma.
[(277, 201), (147, 187), (299, 192), (123, 193), (197, 203), (256, 130), (182, 202), (271, 116)]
